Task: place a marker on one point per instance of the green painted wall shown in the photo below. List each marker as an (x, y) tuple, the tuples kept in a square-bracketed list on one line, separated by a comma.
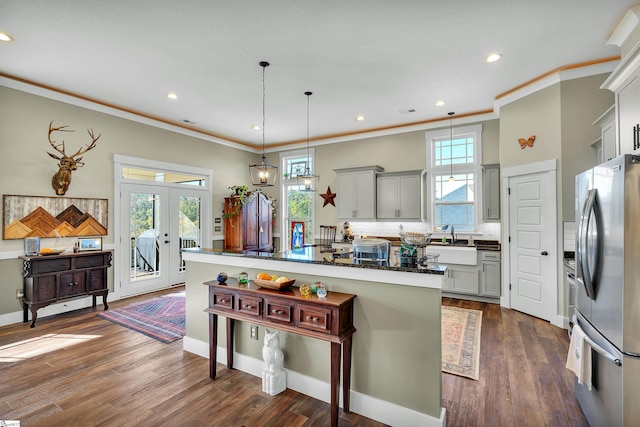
[(396, 348)]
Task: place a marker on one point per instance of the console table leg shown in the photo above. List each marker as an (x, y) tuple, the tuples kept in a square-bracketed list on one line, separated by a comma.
[(230, 327), (34, 316), (213, 344), (346, 373), (335, 382)]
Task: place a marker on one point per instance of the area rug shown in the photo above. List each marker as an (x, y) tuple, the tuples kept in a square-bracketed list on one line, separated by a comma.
[(161, 318), (461, 341)]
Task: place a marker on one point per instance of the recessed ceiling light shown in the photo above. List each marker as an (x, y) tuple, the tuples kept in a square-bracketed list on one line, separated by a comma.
[(494, 57), (255, 127), (439, 103), (172, 95), (360, 118), (4, 37)]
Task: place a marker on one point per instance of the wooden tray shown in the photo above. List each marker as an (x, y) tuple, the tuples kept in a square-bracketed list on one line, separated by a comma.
[(274, 285)]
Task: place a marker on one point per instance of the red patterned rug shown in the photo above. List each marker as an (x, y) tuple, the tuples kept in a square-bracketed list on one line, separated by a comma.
[(461, 341), (161, 318)]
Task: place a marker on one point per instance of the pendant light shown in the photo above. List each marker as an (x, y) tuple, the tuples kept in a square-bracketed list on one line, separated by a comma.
[(308, 181), (451, 178), (263, 174)]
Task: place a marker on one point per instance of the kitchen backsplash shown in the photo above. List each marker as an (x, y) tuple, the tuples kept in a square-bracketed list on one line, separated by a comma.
[(569, 236), (487, 231)]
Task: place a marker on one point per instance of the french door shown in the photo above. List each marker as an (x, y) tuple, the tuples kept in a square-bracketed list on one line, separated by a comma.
[(157, 222)]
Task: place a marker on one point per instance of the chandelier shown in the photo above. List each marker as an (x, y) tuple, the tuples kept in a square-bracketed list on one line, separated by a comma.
[(308, 181), (263, 174)]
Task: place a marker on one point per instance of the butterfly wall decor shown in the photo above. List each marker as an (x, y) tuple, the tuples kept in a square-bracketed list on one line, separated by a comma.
[(524, 143)]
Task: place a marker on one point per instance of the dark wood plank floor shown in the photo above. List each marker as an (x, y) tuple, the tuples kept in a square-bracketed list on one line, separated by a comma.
[(523, 380), (103, 374)]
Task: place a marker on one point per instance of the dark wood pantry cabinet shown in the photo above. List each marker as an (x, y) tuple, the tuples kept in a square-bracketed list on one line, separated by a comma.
[(248, 226)]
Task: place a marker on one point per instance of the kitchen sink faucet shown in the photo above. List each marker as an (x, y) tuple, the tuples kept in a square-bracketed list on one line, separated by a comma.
[(453, 236)]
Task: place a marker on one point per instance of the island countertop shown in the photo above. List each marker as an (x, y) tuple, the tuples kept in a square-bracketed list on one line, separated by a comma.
[(317, 255)]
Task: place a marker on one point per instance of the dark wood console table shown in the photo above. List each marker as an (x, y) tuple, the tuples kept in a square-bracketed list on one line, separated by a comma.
[(328, 319), (49, 279)]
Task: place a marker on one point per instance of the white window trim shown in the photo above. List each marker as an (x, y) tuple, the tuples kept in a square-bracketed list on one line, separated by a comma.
[(475, 168), (283, 194)]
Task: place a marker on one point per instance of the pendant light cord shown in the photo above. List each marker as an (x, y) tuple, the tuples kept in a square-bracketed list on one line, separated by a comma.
[(451, 146), (308, 137)]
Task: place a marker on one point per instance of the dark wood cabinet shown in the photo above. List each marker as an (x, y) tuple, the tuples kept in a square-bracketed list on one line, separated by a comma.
[(248, 226), (328, 319), (49, 279)]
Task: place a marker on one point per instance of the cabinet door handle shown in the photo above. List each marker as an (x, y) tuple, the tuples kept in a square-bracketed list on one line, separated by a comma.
[(544, 253), (274, 311), (223, 301), (312, 319), (247, 306)]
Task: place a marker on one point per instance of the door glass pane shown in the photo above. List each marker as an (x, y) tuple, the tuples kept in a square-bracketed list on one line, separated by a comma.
[(189, 220), (144, 225)]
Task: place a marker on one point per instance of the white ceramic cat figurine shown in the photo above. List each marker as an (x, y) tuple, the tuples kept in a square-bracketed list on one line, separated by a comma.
[(274, 378)]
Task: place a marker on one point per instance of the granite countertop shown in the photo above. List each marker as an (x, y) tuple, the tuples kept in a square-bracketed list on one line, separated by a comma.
[(479, 244), (316, 255)]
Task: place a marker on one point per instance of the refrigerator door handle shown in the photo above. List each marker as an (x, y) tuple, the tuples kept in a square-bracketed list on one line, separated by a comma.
[(606, 354), (586, 275)]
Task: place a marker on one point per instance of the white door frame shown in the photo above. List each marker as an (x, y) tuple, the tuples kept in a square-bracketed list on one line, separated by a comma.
[(551, 167), (120, 161)]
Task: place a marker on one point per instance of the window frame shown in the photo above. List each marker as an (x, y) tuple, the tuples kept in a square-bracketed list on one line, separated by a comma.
[(475, 168), (292, 181)]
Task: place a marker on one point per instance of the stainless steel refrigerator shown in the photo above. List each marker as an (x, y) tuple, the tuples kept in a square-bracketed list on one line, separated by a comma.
[(608, 282)]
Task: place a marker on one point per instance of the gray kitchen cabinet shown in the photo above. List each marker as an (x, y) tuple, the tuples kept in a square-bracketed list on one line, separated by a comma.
[(624, 82), (607, 125), (462, 279), (490, 277), (356, 193), (398, 195), (491, 192)]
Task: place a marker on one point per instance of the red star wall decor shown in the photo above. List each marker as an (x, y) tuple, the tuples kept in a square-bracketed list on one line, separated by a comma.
[(329, 198)]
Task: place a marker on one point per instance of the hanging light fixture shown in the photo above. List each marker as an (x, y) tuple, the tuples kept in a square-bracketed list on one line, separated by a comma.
[(263, 174), (451, 178), (308, 181)]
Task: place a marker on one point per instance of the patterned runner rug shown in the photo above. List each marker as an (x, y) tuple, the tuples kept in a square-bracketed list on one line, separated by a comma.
[(161, 318), (461, 341)]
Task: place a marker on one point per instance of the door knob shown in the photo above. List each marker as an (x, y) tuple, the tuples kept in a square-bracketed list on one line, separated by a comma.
[(545, 253)]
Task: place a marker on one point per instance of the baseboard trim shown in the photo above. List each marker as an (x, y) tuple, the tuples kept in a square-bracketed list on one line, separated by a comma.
[(368, 406), (57, 308)]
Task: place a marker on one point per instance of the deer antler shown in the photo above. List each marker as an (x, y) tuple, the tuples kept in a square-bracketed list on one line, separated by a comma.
[(53, 143), (87, 147)]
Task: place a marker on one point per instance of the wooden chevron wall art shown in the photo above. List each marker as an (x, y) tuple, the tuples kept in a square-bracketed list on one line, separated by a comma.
[(35, 216)]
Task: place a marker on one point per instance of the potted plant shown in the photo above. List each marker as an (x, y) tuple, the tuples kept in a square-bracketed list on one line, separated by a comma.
[(241, 193), (239, 190)]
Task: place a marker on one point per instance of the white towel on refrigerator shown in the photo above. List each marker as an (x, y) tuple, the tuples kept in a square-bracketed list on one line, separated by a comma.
[(579, 357)]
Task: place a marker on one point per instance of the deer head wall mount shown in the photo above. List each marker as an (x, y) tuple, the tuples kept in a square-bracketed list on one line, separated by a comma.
[(67, 164)]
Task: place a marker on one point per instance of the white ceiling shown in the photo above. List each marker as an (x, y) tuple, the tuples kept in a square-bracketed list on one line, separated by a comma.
[(376, 58)]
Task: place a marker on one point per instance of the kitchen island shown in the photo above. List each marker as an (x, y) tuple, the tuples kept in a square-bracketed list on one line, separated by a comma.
[(396, 364)]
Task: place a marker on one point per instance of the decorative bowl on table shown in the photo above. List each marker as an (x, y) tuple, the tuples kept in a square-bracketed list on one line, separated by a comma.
[(274, 284), (50, 251), (413, 238)]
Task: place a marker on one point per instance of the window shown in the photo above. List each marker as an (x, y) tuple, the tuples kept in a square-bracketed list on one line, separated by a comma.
[(297, 206), (455, 201)]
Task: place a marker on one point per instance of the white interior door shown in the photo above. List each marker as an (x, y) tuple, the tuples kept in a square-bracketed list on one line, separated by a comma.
[(532, 234)]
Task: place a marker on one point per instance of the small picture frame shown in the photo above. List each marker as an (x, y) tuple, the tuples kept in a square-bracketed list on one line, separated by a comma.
[(89, 244)]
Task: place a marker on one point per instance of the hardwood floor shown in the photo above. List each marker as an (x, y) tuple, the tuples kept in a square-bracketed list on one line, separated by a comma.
[(76, 369), (523, 380)]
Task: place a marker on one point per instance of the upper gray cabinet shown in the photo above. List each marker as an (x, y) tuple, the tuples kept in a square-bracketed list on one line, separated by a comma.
[(607, 147), (491, 192), (624, 82), (356, 192), (399, 195)]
